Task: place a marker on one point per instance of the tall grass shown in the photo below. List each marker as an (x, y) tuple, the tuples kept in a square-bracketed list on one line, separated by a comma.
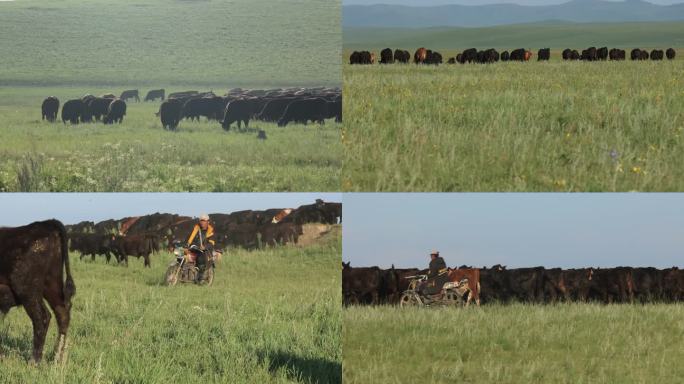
[(568, 343), (271, 316), (549, 126)]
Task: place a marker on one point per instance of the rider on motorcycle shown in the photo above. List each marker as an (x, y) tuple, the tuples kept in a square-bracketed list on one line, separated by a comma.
[(202, 237), (436, 276)]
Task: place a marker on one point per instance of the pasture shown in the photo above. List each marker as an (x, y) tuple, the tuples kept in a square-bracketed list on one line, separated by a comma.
[(567, 343), (271, 316), (534, 126), (139, 155), (179, 45)]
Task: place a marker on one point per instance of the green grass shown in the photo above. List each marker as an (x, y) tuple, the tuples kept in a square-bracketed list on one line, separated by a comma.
[(271, 316), (140, 156), (72, 47), (550, 126), (557, 35), (158, 43), (571, 343)]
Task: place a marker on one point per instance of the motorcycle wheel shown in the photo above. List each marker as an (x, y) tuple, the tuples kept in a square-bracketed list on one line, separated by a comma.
[(208, 277), (408, 299), (172, 275)]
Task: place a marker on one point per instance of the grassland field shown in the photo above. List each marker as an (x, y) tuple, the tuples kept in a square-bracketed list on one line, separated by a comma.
[(567, 343), (178, 45), (534, 126), (271, 316)]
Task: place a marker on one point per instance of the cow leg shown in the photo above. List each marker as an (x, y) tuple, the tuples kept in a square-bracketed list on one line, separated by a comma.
[(40, 317), (63, 318), (147, 261), (92, 257)]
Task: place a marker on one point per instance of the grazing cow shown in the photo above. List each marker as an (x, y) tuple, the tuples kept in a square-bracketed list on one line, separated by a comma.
[(362, 57), (72, 111), (49, 108), (240, 111), (468, 56), (170, 113), (616, 54), (155, 94), (639, 54), (115, 112), (139, 245), (402, 56), (210, 107), (473, 276), (90, 244), (420, 55), (274, 109), (279, 234), (505, 56), (130, 94), (670, 53), (433, 57), (544, 54), (33, 262), (361, 285), (301, 111), (657, 54), (611, 285), (602, 53), (488, 56), (386, 56), (99, 106), (589, 54)]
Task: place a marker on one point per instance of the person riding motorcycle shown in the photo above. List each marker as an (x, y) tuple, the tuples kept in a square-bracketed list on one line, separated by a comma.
[(202, 237), (437, 275)]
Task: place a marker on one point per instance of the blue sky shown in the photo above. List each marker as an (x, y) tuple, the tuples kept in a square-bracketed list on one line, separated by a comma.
[(518, 230), (23, 208), (479, 2)]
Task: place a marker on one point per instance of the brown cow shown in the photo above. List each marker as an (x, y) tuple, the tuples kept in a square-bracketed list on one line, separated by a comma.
[(528, 55), (420, 55), (281, 215), (473, 276), (33, 260)]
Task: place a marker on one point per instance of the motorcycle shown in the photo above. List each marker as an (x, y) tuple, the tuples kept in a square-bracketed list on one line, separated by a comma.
[(451, 294), (184, 268)]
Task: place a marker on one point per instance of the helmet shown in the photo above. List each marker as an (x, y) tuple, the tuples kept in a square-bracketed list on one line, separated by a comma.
[(436, 253), (204, 217)]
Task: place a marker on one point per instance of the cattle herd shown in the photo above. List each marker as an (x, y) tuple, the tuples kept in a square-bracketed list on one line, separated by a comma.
[(491, 55), (376, 286), (281, 106), (143, 236)]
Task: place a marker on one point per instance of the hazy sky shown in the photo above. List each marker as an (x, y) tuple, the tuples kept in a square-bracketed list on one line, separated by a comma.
[(518, 230), (71, 208), (479, 2)]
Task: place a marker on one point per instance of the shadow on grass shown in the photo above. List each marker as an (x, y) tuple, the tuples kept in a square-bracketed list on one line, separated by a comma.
[(309, 370), (15, 345)]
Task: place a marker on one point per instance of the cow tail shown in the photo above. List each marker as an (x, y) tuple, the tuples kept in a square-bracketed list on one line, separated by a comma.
[(69, 288)]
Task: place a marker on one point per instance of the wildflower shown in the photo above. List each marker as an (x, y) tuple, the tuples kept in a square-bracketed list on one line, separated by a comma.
[(637, 170)]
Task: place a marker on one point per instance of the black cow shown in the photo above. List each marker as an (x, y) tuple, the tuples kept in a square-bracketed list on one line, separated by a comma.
[(670, 53), (589, 54), (155, 94), (49, 108), (616, 54), (386, 56), (602, 53), (130, 94), (170, 113), (139, 245), (72, 111), (240, 111), (505, 56), (468, 56), (657, 54), (301, 111), (210, 107), (33, 262), (544, 54), (91, 244), (433, 57), (99, 107), (274, 109), (402, 56), (362, 57), (519, 54), (115, 112)]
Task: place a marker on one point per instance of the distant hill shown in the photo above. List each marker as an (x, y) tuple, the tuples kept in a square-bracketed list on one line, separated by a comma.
[(578, 11), (556, 35)]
